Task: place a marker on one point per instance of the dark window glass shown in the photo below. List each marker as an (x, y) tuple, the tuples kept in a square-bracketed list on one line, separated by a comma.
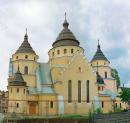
[(88, 98), (17, 105), (26, 56), (51, 104), (72, 50), (79, 91), (24, 91), (105, 74), (65, 51), (69, 91), (34, 58), (120, 105), (17, 57), (26, 70)]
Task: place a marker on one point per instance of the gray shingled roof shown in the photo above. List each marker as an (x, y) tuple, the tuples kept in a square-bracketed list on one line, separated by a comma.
[(66, 37), (25, 46), (18, 80), (99, 55)]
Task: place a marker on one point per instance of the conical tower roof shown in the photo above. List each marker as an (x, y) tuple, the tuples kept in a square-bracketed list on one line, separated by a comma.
[(66, 37), (25, 46), (99, 54), (18, 79)]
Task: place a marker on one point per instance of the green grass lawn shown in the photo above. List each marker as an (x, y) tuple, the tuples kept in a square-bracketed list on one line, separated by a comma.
[(76, 116)]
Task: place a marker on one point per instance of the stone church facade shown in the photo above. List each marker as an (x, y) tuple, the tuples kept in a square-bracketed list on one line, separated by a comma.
[(67, 84)]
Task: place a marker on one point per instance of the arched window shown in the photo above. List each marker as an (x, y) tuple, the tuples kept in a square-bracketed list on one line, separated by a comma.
[(25, 70), (58, 52), (65, 51), (72, 50), (17, 57)]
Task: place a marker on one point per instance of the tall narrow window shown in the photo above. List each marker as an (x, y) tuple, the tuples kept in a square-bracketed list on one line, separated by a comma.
[(26, 70), (17, 105), (120, 105), (79, 91), (17, 57), (102, 104), (65, 51), (69, 91), (105, 74), (88, 98), (51, 104), (72, 50)]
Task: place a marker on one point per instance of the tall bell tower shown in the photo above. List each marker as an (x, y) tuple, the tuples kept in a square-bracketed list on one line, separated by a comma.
[(27, 59)]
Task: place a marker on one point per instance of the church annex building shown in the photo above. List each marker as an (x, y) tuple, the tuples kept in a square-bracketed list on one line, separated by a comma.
[(66, 84)]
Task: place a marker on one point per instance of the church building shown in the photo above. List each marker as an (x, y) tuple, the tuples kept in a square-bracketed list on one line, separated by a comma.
[(66, 84)]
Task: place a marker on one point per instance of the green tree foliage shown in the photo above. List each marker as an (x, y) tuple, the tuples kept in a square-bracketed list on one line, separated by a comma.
[(124, 94), (115, 75)]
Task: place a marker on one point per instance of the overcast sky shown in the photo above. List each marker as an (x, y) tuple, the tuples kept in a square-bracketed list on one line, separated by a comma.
[(107, 20)]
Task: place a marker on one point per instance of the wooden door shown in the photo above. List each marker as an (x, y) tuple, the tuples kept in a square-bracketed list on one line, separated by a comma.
[(32, 108)]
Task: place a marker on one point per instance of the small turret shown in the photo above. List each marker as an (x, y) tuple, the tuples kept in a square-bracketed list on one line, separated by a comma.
[(99, 54), (18, 79), (25, 46)]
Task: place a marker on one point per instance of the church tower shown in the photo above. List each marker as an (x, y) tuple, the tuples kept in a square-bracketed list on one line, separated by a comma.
[(102, 66), (65, 46), (27, 59)]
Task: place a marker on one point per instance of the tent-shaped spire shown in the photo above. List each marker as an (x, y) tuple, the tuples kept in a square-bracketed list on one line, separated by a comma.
[(99, 54), (18, 79), (25, 46), (66, 37)]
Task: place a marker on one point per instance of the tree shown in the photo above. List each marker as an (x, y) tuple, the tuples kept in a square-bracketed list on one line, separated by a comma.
[(115, 75), (124, 94)]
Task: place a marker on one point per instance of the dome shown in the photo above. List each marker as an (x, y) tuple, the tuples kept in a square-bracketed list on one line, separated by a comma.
[(66, 37)]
